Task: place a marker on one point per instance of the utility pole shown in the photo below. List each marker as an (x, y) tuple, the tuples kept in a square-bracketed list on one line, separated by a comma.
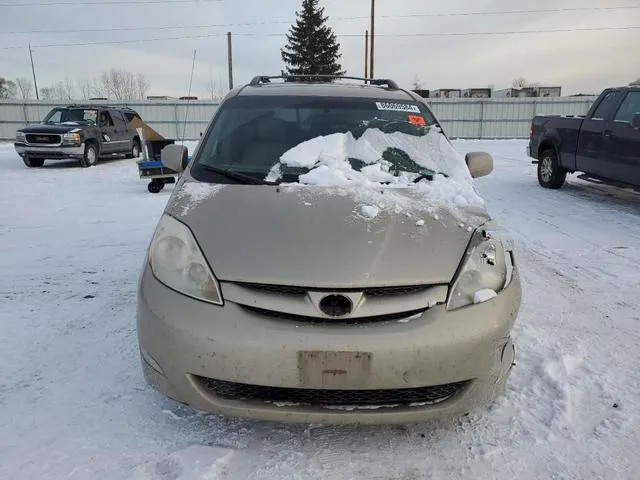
[(373, 30), (230, 60), (33, 70), (366, 54)]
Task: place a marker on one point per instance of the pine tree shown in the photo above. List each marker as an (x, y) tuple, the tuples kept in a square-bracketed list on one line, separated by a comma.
[(312, 47)]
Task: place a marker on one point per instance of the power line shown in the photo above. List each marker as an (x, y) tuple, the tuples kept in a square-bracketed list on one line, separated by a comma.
[(346, 35), (361, 17), (101, 3)]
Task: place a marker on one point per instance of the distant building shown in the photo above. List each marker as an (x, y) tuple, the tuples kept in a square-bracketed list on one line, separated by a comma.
[(549, 91), (529, 92), (515, 92), (160, 97), (476, 93), (446, 93), (422, 93)]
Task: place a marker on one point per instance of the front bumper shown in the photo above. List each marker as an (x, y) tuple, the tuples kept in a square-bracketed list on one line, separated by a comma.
[(49, 152), (186, 345)]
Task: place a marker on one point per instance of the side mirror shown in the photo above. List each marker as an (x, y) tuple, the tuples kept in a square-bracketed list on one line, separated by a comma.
[(175, 157), (635, 121), (479, 163)]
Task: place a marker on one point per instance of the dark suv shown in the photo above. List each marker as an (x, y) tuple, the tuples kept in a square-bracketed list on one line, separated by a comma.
[(83, 132)]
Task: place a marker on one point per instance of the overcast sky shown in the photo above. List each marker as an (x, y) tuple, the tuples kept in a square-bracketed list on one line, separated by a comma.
[(579, 61)]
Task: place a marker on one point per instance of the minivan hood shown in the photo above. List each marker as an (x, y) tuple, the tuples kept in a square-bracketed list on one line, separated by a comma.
[(312, 237)]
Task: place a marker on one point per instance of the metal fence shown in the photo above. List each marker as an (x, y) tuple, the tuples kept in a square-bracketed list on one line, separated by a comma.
[(462, 118)]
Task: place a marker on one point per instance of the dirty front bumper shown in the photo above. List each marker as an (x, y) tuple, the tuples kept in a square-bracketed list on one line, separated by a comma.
[(236, 362), (49, 152)]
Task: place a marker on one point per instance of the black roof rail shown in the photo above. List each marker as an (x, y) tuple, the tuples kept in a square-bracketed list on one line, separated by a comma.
[(260, 79)]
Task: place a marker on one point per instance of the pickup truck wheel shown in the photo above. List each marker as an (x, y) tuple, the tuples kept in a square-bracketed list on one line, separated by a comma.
[(90, 156), (33, 162), (550, 173)]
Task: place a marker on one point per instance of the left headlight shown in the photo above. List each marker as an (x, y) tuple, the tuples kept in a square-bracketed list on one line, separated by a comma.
[(71, 137), (20, 136), (177, 261), (486, 270)]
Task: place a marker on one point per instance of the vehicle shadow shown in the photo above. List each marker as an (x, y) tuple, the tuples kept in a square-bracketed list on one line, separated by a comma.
[(69, 164), (604, 193)]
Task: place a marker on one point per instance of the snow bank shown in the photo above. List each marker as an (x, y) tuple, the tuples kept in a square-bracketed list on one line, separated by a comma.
[(374, 185)]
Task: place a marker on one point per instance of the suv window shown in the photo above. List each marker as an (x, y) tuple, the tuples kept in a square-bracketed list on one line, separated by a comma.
[(77, 115), (105, 119), (118, 118), (251, 133), (630, 106), (606, 106)]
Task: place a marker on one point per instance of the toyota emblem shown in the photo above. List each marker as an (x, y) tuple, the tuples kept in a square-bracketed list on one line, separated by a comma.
[(336, 305)]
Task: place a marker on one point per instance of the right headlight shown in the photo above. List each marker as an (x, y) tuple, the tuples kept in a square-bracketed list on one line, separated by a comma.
[(20, 136), (177, 261), (486, 270)]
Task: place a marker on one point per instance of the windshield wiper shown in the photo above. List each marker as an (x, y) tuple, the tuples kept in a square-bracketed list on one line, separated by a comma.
[(428, 174), (237, 176)]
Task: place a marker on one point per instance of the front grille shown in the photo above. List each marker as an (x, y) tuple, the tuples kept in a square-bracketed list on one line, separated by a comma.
[(328, 398), (277, 289), (289, 290), (331, 321), (391, 291), (43, 139)]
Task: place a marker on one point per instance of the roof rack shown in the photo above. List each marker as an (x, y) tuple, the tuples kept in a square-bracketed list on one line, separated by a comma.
[(261, 79)]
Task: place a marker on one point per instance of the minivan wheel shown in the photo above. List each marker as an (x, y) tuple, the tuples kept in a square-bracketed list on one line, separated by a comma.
[(550, 173), (90, 156), (33, 162)]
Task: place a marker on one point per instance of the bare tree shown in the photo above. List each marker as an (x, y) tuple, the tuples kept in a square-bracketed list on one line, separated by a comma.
[(123, 85), (143, 85), (417, 83), (25, 87), (635, 83), (86, 88), (47, 93), (215, 89), (7, 88), (64, 90), (520, 82)]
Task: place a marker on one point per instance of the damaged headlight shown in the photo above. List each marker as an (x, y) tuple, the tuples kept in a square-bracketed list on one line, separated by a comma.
[(486, 269), (177, 261)]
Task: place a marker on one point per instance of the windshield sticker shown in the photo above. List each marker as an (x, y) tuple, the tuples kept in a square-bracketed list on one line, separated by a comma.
[(417, 120), (397, 107)]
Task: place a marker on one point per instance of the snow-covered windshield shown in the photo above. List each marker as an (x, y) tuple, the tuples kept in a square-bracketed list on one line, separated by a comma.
[(254, 135), (388, 155), (71, 115)]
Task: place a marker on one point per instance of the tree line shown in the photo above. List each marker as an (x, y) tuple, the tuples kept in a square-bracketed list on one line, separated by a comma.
[(114, 84)]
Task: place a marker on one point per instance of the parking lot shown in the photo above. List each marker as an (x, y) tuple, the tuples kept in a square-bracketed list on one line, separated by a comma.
[(73, 403)]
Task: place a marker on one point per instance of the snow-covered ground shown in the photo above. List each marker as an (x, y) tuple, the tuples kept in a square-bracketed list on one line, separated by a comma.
[(73, 404)]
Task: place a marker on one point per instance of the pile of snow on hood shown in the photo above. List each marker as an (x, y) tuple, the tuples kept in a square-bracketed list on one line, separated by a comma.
[(327, 158)]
